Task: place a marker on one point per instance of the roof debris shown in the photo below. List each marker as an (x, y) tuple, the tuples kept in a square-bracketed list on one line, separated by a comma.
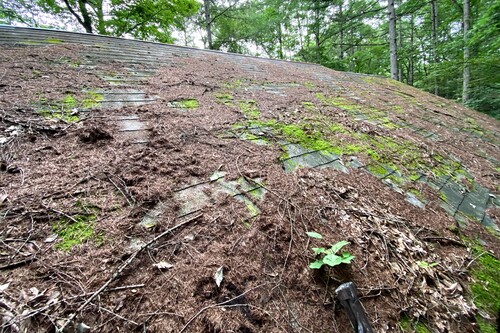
[(143, 138)]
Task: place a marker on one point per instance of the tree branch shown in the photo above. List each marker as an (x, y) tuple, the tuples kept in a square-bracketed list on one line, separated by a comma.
[(75, 14)]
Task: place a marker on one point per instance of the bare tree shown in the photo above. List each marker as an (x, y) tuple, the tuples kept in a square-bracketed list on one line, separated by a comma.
[(392, 39), (434, 24), (466, 76), (208, 23)]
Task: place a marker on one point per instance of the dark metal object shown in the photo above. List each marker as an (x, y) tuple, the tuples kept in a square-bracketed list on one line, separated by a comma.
[(348, 297)]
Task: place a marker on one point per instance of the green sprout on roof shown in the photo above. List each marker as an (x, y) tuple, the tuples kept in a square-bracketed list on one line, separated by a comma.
[(328, 256)]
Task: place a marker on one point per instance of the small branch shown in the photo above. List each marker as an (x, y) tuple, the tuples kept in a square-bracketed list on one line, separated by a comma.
[(127, 287), (444, 240), (119, 189), (18, 264), (122, 268), (60, 213), (115, 314)]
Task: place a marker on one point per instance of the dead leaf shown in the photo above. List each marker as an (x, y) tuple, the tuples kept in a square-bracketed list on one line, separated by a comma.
[(4, 287), (219, 276), (3, 197), (163, 265)]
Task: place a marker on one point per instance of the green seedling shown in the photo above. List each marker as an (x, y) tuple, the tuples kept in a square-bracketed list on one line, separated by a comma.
[(425, 264), (328, 256)]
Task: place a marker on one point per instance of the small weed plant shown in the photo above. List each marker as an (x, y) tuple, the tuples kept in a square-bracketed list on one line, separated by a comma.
[(329, 256)]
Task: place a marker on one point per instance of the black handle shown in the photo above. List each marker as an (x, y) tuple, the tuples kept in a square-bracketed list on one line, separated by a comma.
[(348, 297)]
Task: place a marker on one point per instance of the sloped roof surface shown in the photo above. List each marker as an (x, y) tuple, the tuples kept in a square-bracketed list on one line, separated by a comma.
[(247, 154)]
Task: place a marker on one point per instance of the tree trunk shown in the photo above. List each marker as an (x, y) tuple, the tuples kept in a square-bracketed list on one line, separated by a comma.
[(341, 28), (434, 22), (316, 31), (351, 50), (411, 72), (465, 90), (208, 23), (400, 47), (280, 41), (87, 20), (392, 39)]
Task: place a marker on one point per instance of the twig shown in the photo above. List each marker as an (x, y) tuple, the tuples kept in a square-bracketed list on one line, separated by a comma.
[(120, 270), (472, 261), (40, 310), (444, 240), (127, 287), (161, 313), (60, 213), (119, 189), (115, 314), (18, 263)]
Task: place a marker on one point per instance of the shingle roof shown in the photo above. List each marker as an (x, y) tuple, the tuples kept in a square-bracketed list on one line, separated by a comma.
[(298, 122)]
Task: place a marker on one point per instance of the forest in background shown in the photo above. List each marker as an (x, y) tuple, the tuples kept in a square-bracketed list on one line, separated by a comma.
[(447, 47)]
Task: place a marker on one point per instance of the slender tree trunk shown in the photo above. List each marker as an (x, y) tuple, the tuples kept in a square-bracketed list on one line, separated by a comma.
[(316, 31), (411, 72), (280, 41), (400, 47), (465, 90), (351, 50), (434, 22), (392, 39), (208, 23), (341, 28), (301, 39)]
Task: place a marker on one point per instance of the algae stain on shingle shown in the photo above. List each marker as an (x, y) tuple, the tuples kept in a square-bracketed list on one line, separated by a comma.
[(91, 100), (67, 108), (200, 193), (316, 141)]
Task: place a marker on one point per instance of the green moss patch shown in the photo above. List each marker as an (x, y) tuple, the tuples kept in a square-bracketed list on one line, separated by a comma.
[(409, 326), (91, 100), (30, 42), (339, 102), (67, 108), (249, 109), (486, 327), (189, 103), (309, 106), (74, 232), (225, 99), (53, 41), (486, 286)]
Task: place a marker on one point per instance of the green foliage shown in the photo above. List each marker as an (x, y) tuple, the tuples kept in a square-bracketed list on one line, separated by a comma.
[(328, 256), (313, 234), (143, 19), (425, 264), (343, 35), (150, 19)]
